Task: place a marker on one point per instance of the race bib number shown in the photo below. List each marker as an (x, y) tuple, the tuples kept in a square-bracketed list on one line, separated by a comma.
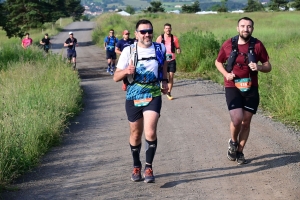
[(169, 57), (243, 84), (142, 102)]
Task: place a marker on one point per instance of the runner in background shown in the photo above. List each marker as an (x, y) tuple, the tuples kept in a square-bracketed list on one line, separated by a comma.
[(126, 41), (111, 56), (27, 41), (71, 43), (46, 43)]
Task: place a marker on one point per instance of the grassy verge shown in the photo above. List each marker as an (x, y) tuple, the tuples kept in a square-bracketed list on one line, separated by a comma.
[(201, 36), (39, 94)]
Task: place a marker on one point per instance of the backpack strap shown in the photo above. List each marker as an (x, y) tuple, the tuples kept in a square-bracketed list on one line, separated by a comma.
[(172, 44), (163, 38), (234, 43)]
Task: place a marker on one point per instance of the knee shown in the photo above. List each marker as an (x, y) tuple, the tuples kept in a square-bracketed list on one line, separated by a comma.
[(236, 122), (135, 135)]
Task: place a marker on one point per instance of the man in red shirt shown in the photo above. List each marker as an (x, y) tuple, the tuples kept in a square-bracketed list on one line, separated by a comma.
[(172, 43), (27, 41), (241, 86)]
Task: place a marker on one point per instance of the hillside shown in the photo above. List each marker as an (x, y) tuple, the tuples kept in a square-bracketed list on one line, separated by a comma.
[(205, 5)]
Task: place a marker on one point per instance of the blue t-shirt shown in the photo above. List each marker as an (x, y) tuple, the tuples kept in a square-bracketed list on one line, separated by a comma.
[(110, 43), (124, 43)]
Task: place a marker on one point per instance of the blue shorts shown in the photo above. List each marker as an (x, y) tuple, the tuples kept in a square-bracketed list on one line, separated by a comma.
[(134, 113), (71, 54)]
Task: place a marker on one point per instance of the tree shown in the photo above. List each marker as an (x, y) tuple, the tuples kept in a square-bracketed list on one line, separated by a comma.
[(277, 4), (223, 7), (296, 4), (22, 16), (130, 9), (254, 5), (156, 6), (195, 7), (74, 9)]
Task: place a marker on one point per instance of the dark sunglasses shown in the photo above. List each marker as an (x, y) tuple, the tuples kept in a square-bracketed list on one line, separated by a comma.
[(127, 34), (143, 32)]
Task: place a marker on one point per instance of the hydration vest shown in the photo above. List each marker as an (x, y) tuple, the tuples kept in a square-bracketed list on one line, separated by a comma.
[(235, 52), (159, 56), (172, 42)]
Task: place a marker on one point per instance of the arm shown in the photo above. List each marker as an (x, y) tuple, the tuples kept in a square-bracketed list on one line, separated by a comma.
[(164, 87), (117, 50), (123, 67), (220, 67), (264, 67), (23, 45), (177, 46)]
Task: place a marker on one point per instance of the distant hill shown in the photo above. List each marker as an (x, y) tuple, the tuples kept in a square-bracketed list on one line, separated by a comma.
[(205, 5)]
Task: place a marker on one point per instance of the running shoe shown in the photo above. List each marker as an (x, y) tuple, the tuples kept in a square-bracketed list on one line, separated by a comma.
[(232, 148), (240, 158), (124, 87), (148, 175), (136, 174), (169, 96), (111, 72), (108, 69)]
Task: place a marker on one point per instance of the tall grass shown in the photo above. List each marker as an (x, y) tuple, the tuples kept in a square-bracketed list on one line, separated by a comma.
[(38, 94), (277, 30)]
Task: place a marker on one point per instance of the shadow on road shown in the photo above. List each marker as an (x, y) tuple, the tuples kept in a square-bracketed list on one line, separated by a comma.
[(268, 161)]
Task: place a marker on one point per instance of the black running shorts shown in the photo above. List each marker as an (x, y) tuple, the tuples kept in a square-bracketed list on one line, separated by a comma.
[(134, 113), (111, 55), (71, 54), (247, 100), (171, 66)]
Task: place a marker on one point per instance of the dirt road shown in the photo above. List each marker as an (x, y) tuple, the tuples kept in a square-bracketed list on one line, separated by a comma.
[(94, 160)]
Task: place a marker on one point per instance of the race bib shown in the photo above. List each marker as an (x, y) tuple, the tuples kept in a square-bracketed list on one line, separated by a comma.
[(243, 84), (142, 102), (169, 57)]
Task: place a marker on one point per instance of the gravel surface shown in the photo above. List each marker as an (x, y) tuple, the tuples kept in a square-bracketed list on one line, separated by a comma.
[(94, 159)]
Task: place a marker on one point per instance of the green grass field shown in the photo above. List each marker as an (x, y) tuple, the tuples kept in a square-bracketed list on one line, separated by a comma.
[(198, 33)]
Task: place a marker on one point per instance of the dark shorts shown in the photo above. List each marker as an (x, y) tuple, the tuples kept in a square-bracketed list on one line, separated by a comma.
[(111, 55), (71, 54), (247, 100), (171, 66), (135, 113)]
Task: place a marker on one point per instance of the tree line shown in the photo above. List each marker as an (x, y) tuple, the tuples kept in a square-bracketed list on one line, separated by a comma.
[(252, 6), (19, 16)]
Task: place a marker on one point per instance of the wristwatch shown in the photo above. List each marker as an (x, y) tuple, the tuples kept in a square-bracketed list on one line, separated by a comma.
[(165, 79)]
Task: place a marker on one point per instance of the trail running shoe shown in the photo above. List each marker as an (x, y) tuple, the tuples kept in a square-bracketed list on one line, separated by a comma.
[(240, 158), (232, 148), (136, 174), (108, 69), (148, 175), (169, 96), (111, 72)]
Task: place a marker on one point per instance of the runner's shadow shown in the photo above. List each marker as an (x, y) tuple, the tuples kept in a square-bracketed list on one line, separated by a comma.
[(274, 161)]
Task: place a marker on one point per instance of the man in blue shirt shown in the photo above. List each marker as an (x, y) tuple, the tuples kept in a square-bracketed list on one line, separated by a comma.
[(126, 41), (109, 45)]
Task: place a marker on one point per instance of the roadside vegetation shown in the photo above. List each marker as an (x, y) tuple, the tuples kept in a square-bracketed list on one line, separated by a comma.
[(39, 94), (201, 37)]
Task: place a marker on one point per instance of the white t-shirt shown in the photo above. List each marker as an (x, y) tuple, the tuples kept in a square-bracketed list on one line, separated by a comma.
[(146, 71)]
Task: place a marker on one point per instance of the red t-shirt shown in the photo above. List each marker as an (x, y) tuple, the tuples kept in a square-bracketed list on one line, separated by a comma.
[(241, 69)]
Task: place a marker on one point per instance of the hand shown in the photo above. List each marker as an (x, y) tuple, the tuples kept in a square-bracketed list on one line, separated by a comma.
[(253, 66), (131, 68), (164, 87), (71, 43), (230, 76)]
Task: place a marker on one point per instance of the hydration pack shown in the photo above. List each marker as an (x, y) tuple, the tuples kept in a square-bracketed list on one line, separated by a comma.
[(235, 52), (172, 42), (159, 56)]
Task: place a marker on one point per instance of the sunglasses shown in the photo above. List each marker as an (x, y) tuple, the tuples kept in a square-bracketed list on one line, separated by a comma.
[(127, 34), (143, 32)]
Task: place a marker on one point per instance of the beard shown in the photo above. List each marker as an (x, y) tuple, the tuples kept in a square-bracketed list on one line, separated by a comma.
[(147, 41), (245, 38)]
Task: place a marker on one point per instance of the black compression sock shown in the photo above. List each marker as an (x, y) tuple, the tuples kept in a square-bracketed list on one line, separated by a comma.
[(150, 150), (135, 151)]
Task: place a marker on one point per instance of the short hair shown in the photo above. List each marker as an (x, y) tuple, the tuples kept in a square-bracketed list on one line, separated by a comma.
[(167, 24), (246, 18), (111, 30), (142, 21), (26, 33)]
